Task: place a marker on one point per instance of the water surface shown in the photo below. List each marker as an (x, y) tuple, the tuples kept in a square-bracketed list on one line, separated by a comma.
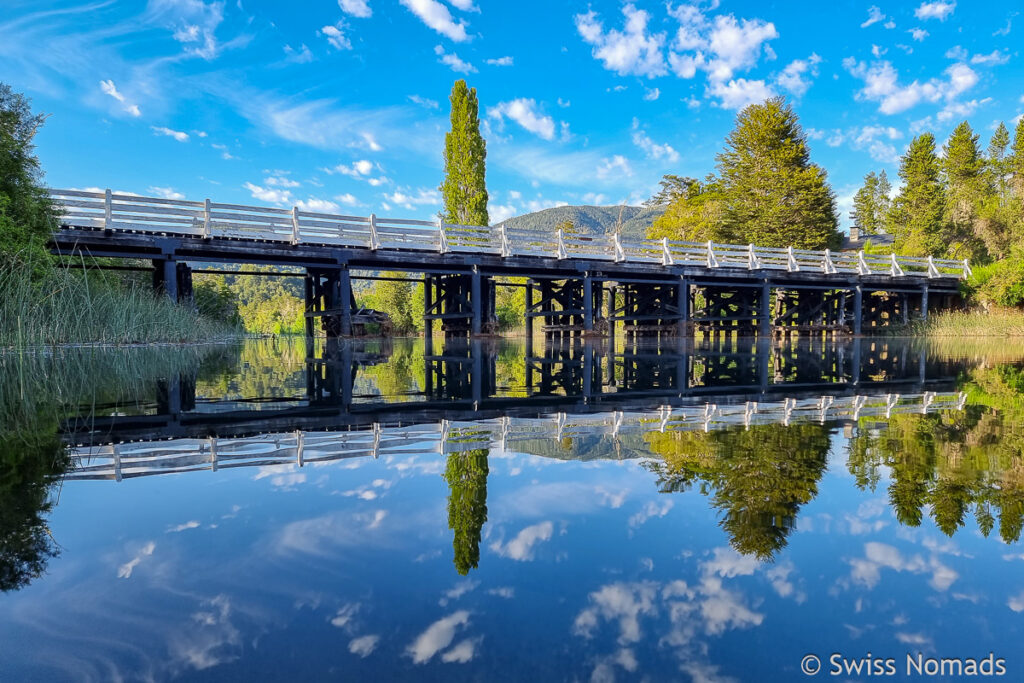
[(381, 510)]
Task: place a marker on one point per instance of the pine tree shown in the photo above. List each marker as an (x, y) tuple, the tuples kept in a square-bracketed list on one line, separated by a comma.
[(464, 189), (915, 220), (774, 195), (695, 215), (965, 189), (1016, 160), (997, 163), (865, 214), (883, 199)]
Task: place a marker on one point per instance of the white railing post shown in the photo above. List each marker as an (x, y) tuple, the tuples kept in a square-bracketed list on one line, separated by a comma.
[(560, 251), (620, 255), (932, 270), (442, 242), (862, 264), (791, 262), (967, 269), (206, 219), (894, 268), (108, 209), (374, 239), (712, 261), (753, 263), (295, 225), (506, 247), (666, 255), (827, 266)]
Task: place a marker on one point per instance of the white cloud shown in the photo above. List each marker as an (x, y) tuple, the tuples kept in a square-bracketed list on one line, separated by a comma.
[(453, 61), (464, 5), (410, 200), (878, 50), (651, 94), (109, 88), (176, 134), (437, 637), (194, 23), (336, 36), (363, 646), (631, 51), (524, 112), (315, 205), (795, 77), (994, 57), (347, 199), (500, 61), (424, 102), (875, 139), (881, 84), (280, 181), (616, 166), (303, 55), (918, 34), (521, 548), (267, 194), (501, 212), (874, 16), (356, 8), (737, 44), (935, 10), (650, 148), (462, 652), (170, 193), (564, 103), (1016, 603), (739, 93), (357, 169), (436, 16)]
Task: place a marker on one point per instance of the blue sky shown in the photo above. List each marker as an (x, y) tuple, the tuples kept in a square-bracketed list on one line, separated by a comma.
[(342, 105)]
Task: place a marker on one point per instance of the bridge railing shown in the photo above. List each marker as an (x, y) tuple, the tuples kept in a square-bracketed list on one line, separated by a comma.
[(120, 212)]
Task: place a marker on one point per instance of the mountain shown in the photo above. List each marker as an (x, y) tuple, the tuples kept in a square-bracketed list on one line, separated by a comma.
[(590, 219)]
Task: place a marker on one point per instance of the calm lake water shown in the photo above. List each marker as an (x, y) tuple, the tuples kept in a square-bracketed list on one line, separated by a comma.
[(382, 511)]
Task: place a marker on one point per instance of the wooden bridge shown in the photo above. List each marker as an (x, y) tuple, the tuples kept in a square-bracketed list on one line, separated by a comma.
[(575, 284)]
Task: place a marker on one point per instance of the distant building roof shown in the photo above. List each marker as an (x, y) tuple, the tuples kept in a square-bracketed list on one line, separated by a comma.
[(855, 241)]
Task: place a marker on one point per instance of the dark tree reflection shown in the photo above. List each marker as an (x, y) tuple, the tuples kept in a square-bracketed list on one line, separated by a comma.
[(466, 474), (757, 478)]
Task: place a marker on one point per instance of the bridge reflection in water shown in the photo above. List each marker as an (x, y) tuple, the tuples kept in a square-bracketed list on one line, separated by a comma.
[(570, 390)]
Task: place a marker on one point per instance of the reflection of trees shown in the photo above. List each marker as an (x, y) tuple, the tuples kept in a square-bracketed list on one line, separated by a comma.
[(466, 475), (757, 478), (955, 462)]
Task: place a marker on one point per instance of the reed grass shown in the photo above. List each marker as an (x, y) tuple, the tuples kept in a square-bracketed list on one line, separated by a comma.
[(66, 306), (975, 323)]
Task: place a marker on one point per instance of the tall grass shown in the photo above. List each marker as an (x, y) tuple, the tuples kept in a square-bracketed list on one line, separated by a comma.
[(975, 323), (65, 306)]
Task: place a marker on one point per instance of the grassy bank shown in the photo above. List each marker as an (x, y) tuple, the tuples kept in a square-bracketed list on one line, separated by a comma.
[(65, 306), (976, 323)]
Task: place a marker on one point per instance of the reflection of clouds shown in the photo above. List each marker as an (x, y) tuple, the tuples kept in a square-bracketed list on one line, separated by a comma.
[(460, 589), (520, 548), (779, 577), (184, 526), (126, 569), (345, 614), (363, 645), (213, 640), (877, 556), (284, 477), (1016, 603), (621, 602), (918, 639), (729, 563), (506, 592), (650, 509), (437, 637), (319, 535), (463, 652), (613, 499)]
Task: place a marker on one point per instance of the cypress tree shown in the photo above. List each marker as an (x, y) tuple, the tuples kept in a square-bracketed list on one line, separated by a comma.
[(774, 195), (464, 189), (915, 220)]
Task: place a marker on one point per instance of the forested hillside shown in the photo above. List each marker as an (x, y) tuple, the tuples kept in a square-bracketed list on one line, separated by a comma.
[(590, 219)]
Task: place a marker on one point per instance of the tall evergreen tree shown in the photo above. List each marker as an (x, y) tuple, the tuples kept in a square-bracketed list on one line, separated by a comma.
[(695, 214), (867, 214), (464, 189), (774, 195), (962, 166), (1016, 160), (466, 474), (997, 163), (884, 200), (915, 219)]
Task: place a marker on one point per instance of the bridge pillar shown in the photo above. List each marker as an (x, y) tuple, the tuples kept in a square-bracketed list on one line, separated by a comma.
[(683, 305), (858, 309), (463, 302), (765, 314), (588, 303), (475, 301), (329, 297), (924, 302)]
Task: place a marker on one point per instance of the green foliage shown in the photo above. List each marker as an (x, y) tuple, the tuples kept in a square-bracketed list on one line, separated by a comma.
[(510, 305), (774, 195), (464, 189), (1000, 283), (966, 188), (1016, 161), (466, 474), (402, 301), (871, 204), (998, 165), (697, 214), (27, 216), (216, 301), (631, 221), (673, 187), (916, 218)]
